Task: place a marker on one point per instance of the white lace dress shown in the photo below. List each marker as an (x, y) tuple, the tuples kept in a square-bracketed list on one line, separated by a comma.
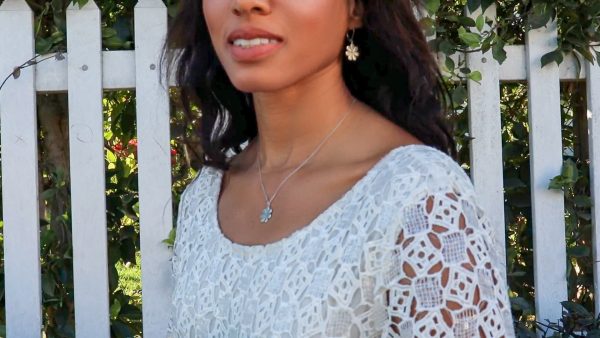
[(405, 252)]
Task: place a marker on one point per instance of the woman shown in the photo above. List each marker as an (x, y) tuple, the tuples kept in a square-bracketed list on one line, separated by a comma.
[(328, 204)]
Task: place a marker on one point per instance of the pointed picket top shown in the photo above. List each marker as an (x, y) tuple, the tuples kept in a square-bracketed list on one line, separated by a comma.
[(150, 4), (90, 5), (15, 5)]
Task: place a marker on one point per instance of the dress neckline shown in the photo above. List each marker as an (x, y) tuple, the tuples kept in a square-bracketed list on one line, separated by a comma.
[(256, 249)]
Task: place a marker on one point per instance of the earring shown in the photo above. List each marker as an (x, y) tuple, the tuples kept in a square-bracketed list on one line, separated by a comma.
[(351, 50)]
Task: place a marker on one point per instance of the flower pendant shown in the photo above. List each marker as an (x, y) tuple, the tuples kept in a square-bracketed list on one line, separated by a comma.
[(352, 52), (266, 214)]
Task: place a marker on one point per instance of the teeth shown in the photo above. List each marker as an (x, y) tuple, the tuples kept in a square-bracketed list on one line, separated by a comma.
[(253, 42)]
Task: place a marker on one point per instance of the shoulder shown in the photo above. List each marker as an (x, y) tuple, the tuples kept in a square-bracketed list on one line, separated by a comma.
[(424, 170), (196, 194)]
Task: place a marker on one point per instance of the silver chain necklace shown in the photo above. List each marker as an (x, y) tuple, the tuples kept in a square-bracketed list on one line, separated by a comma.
[(267, 212)]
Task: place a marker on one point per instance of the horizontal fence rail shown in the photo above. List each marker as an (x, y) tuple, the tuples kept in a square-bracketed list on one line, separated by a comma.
[(87, 71), (119, 70)]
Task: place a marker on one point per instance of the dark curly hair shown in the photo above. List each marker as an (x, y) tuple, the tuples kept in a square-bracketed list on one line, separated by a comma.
[(396, 75)]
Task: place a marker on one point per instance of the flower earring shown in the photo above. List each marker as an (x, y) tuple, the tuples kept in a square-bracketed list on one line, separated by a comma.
[(351, 50)]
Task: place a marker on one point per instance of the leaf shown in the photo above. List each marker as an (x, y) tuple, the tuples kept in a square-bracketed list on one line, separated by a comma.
[(48, 284), (517, 274), (113, 42), (432, 6), (121, 329), (57, 6), (578, 251), (513, 183), (520, 200), (459, 95), (57, 37), (108, 32), (428, 26), (539, 15), (42, 46), (115, 308), (449, 63), (572, 307), (511, 150), (47, 236), (111, 157), (473, 5), (584, 215), (519, 303), (466, 21), (171, 239), (485, 4), (475, 76), (479, 22), (569, 171), (81, 3), (470, 39), (498, 51), (554, 56), (123, 28), (447, 47), (583, 201), (557, 183)]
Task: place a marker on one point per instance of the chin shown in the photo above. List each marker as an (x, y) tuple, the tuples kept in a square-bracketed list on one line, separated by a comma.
[(252, 84)]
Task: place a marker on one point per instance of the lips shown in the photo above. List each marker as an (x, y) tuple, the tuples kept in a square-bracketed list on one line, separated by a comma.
[(249, 33), (256, 52)]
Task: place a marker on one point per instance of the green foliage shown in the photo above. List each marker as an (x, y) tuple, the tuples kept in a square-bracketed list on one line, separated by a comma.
[(573, 181), (576, 321), (451, 32)]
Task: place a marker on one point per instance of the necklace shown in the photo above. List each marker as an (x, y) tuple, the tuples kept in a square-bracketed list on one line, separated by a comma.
[(267, 212)]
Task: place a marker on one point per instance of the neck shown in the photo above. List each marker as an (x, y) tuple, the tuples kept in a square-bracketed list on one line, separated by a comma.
[(294, 120)]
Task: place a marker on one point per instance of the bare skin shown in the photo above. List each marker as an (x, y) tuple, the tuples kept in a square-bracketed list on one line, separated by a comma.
[(321, 182), (296, 109)]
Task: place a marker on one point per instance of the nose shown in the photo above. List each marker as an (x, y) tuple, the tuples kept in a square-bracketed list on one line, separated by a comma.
[(241, 7)]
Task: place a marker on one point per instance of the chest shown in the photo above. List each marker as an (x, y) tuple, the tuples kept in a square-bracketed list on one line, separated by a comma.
[(296, 203)]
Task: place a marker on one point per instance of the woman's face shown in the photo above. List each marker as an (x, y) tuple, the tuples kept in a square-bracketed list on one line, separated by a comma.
[(267, 45)]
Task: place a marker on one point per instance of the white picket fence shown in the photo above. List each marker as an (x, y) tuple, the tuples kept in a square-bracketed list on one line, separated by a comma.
[(87, 71)]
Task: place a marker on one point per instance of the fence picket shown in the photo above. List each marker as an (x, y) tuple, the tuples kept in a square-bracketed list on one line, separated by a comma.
[(88, 199), (593, 116), (486, 130), (20, 196), (154, 161), (545, 145)]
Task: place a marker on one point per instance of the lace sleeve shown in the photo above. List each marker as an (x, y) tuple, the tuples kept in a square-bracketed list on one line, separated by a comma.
[(445, 277)]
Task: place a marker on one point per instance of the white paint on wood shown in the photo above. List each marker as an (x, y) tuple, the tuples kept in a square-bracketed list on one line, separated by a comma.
[(154, 161), (486, 146), (514, 68), (593, 117), (118, 72), (88, 199), (22, 289), (545, 142)]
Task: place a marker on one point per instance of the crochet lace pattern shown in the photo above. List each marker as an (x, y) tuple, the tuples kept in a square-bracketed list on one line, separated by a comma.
[(406, 252)]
